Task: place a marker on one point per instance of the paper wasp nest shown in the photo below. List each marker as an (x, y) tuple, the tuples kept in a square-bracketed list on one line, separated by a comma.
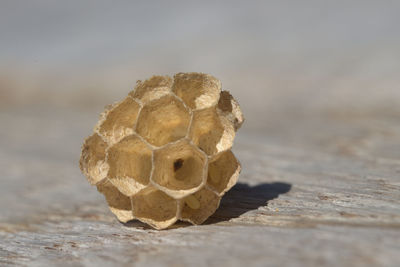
[(163, 153)]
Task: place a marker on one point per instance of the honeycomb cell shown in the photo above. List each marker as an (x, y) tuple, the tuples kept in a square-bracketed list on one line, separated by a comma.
[(163, 120), (155, 208), (230, 109), (211, 132), (153, 88), (92, 162), (119, 120), (196, 208), (179, 168), (119, 204), (130, 164), (197, 90), (223, 172)]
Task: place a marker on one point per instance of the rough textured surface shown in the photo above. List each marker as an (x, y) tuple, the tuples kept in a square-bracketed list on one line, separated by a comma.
[(164, 152), (305, 197)]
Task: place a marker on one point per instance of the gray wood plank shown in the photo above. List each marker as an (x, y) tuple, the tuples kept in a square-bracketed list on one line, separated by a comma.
[(305, 197)]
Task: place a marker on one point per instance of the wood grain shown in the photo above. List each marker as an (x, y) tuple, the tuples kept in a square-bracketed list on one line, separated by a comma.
[(318, 190)]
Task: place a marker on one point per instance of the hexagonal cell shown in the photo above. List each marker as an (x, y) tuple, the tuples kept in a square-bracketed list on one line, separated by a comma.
[(223, 172), (92, 161), (197, 90), (163, 120), (130, 164), (179, 168), (154, 207), (119, 120), (196, 208), (153, 88), (119, 204), (211, 132), (231, 109)]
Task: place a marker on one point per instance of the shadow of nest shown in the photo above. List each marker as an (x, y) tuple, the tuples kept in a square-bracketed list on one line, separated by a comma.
[(243, 198), (240, 199)]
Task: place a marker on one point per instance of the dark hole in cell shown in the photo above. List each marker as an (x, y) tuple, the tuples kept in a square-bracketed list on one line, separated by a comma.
[(178, 164)]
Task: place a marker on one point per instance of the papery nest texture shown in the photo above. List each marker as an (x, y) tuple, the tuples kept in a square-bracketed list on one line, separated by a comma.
[(163, 153)]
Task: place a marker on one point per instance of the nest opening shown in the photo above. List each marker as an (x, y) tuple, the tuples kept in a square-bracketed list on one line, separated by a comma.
[(178, 167), (163, 120), (221, 171), (199, 206), (197, 90), (209, 133), (130, 158), (154, 204), (120, 121)]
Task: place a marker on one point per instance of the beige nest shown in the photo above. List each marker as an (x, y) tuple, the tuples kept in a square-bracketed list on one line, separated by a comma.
[(164, 152)]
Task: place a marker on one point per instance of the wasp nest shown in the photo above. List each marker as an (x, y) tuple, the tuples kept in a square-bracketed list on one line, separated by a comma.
[(163, 153)]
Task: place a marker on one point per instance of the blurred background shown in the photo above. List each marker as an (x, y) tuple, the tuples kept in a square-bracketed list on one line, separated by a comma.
[(308, 74), (275, 56)]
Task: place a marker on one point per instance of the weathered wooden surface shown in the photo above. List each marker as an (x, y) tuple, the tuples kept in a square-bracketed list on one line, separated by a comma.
[(305, 197), (320, 148)]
